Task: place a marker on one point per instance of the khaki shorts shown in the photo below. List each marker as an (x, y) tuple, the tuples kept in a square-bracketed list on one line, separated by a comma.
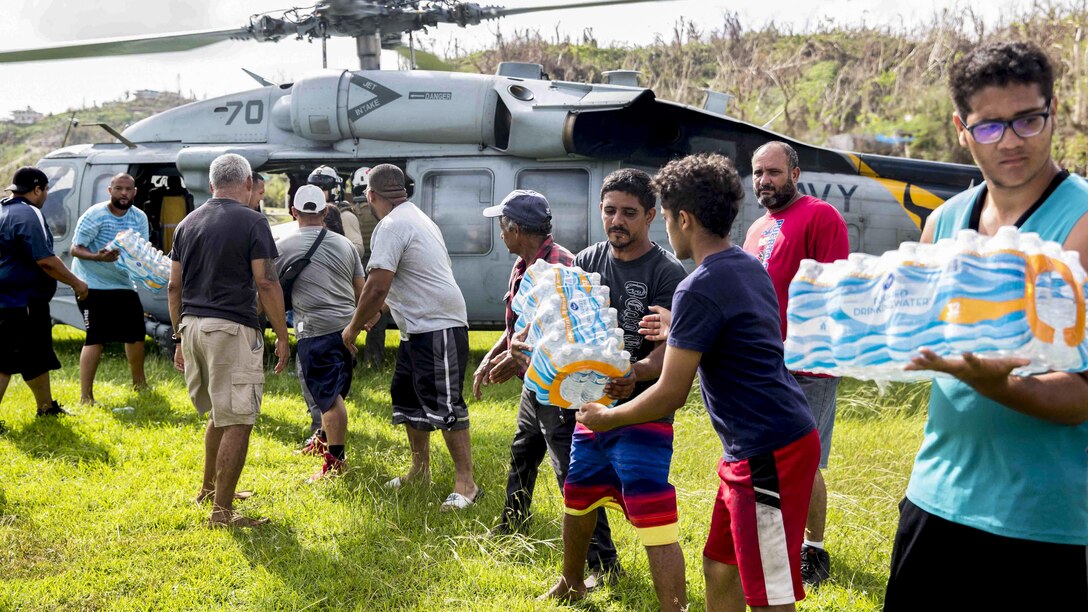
[(224, 369)]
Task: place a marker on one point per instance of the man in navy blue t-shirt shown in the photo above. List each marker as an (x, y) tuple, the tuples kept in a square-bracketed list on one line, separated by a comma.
[(725, 324), (29, 272)]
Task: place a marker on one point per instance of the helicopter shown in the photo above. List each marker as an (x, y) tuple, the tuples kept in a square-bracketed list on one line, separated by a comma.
[(463, 140)]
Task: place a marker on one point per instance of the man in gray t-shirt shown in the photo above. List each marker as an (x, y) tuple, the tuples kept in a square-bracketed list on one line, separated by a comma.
[(323, 300), (410, 269)]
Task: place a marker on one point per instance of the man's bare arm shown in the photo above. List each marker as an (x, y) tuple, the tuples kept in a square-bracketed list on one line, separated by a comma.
[(370, 303), (1057, 397), (270, 295), (56, 269)]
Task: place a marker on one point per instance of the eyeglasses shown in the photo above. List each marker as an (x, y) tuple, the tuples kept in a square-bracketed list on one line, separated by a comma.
[(989, 132)]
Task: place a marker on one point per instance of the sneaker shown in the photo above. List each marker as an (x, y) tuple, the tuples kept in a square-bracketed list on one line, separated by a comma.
[(316, 445), (815, 565), (331, 468), (53, 410)]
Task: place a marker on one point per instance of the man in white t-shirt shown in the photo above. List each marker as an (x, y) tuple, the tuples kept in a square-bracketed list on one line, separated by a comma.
[(410, 269)]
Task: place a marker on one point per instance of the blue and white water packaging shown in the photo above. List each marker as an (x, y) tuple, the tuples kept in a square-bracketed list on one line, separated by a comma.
[(577, 344), (1010, 295), (144, 263)]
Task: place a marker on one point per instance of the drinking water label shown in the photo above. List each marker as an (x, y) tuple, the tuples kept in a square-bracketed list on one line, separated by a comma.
[(577, 345), (1010, 295)]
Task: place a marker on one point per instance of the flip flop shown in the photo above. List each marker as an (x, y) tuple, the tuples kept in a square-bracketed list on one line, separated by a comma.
[(456, 501)]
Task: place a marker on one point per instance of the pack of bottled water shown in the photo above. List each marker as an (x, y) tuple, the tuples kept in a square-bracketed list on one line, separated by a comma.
[(1009, 295), (577, 343), (144, 263)]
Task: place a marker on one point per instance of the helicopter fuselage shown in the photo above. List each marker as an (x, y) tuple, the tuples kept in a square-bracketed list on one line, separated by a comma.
[(465, 141)]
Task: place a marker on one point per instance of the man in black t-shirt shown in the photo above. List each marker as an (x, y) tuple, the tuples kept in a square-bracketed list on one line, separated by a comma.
[(627, 469), (223, 261)]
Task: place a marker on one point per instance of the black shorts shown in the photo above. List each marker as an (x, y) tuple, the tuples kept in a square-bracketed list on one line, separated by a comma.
[(941, 565), (326, 368), (428, 379), (26, 341), (112, 315)]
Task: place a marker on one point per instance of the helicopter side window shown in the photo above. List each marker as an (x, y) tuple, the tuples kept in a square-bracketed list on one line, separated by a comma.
[(455, 200), (101, 191), (62, 197), (568, 194)]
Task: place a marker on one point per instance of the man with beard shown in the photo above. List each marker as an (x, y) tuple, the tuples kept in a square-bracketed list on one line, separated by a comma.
[(112, 310), (627, 469), (798, 227)]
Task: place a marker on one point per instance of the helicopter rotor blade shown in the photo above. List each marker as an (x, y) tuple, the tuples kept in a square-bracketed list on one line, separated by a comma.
[(505, 12), (355, 18), (159, 43)]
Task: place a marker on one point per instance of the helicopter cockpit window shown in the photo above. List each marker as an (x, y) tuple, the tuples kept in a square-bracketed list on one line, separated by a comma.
[(455, 200), (62, 196), (568, 194)]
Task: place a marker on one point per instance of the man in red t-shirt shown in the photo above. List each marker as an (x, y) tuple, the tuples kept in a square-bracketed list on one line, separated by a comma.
[(798, 227)]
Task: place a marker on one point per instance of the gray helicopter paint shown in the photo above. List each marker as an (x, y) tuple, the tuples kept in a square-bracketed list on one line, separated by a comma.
[(312, 122), (333, 106)]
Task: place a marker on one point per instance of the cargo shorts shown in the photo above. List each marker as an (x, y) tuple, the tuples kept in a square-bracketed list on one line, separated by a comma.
[(224, 369)]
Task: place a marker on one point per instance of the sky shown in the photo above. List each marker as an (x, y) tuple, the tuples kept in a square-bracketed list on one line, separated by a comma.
[(216, 70)]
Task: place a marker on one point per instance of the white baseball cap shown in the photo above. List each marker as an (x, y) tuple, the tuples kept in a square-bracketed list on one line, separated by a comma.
[(309, 199)]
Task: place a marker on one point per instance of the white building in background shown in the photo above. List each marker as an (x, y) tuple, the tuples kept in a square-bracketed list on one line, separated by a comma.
[(144, 95), (25, 117)]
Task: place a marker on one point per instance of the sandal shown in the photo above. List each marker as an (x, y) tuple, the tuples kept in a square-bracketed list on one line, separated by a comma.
[(456, 501)]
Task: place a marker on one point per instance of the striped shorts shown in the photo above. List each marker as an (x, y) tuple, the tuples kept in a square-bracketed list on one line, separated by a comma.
[(626, 469), (427, 382), (759, 520)]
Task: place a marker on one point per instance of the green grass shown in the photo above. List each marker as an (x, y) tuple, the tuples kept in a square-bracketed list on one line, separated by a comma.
[(96, 509)]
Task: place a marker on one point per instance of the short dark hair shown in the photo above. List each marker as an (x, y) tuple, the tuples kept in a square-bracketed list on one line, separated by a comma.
[(999, 64), (791, 155), (539, 229), (705, 185), (633, 182)]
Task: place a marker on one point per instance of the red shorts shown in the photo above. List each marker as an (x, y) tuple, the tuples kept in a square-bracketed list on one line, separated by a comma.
[(759, 520)]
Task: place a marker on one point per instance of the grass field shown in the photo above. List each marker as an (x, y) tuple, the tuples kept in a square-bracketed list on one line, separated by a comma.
[(96, 509)]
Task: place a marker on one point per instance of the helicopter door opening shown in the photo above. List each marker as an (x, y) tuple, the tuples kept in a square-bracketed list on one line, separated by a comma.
[(161, 193)]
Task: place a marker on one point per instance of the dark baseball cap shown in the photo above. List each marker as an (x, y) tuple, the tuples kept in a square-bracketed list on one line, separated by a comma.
[(26, 179), (523, 206)]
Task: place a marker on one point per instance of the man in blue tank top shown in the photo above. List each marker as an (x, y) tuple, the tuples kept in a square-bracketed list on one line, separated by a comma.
[(996, 512)]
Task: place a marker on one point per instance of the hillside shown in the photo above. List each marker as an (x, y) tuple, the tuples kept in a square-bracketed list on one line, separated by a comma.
[(21, 145), (864, 81)]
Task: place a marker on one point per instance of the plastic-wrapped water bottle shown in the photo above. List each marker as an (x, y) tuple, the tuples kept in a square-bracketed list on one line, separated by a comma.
[(144, 263), (1010, 295), (578, 347)]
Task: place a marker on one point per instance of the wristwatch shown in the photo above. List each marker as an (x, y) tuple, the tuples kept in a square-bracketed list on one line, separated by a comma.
[(176, 337)]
